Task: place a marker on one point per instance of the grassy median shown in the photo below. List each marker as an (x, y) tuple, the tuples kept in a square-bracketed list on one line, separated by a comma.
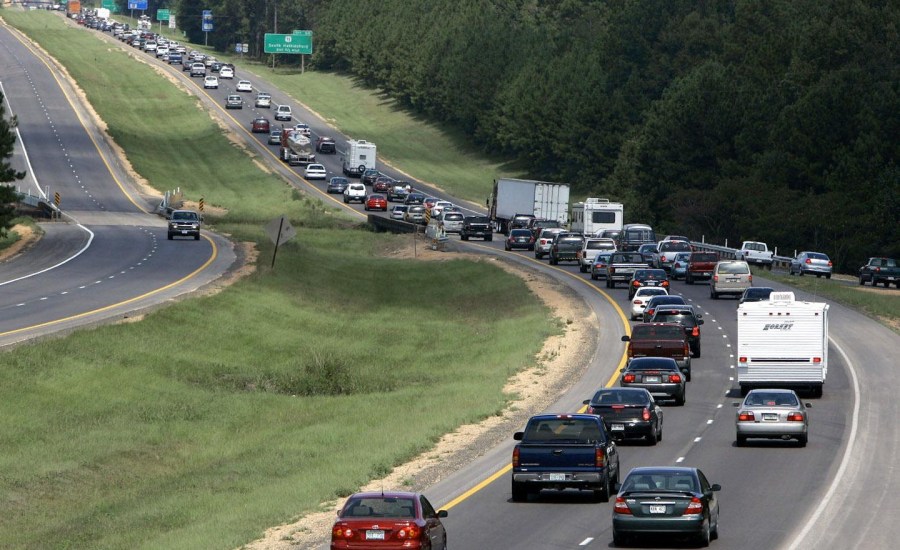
[(217, 417)]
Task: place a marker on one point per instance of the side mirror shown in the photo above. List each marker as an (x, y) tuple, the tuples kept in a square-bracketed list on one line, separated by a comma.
[(736, 404), (809, 405), (442, 513), (586, 402), (699, 321), (518, 436), (626, 338), (715, 487)]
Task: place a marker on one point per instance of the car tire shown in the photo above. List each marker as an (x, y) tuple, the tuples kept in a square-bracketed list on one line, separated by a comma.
[(687, 375), (171, 236), (741, 441), (506, 247), (714, 530), (594, 277), (602, 494), (800, 272), (619, 539), (609, 283), (713, 294), (553, 261), (828, 276), (697, 351), (653, 437), (704, 537), (519, 492), (680, 400), (659, 434), (688, 279), (488, 239), (802, 440), (862, 281)]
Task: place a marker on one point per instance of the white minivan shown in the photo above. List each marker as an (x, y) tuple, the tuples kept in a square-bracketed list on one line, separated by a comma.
[(730, 277), (283, 112)]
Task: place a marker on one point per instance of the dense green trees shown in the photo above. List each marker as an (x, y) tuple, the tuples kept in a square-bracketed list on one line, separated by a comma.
[(774, 120), (7, 174)]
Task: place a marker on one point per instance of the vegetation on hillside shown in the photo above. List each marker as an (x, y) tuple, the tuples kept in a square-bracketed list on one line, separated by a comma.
[(768, 120)]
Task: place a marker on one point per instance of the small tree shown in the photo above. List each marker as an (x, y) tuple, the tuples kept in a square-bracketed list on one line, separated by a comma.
[(7, 174)]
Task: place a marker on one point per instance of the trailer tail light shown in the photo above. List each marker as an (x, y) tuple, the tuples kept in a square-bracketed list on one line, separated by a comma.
[(746, 416), (599, 457), (637, 302), (750, 278), (695, 507), (621, 507), (645, 414), (817, 360), (674, 378), (742, 359), (515, 458), (795, 417), (628, 378)]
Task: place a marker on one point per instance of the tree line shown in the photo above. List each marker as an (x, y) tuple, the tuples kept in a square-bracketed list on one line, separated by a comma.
[(771, 120)]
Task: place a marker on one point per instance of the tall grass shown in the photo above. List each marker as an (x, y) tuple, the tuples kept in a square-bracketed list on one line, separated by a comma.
[(214, 418)]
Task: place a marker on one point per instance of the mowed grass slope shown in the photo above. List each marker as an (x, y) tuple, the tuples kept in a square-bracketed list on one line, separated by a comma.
[(217, 417)]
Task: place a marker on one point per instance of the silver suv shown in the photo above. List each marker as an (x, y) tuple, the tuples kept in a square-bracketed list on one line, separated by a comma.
[(730, 277), (283, 112)]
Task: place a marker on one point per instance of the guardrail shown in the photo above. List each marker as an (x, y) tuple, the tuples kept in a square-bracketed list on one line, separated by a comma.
[(781, 262), (383, 223)]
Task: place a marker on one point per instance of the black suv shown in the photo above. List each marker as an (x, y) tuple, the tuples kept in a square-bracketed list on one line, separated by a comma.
[(687, 318), (647, 277), (476, 226)]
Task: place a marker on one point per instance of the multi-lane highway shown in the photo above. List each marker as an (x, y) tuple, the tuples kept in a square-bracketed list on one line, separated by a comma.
[(107, 255), (841, 489)]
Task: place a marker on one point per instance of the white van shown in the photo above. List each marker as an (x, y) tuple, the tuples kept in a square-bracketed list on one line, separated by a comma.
[(283, 112), (730, 277)]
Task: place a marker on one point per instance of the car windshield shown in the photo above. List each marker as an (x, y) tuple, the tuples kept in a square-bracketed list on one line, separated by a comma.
[(478, 219), (734, 268), (620, 397), (520, 233), (597, 245), (816, 256), (189, 216), (628, 259), (660, 481), (453, 217), (773, 399), (656, 332), (380, 507), (759, 247), (579, 430)]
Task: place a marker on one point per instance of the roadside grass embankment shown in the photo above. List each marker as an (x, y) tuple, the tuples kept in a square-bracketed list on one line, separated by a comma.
[(217, 417), (880, 303)]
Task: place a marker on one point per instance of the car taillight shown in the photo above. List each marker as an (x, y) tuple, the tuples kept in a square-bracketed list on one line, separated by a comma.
[(665, 283), (687, 350), (409, 532), (645, 414), (636, 283), (590, 410), (750, 278), (715, 278), (612, 270), (675, 378), (650, 311), (599, 457), (630, 353), (829, 263), (808, 261), (638, 302), (742, 359), (696, 331), (746, 416), (628, 378), (662, 258), (695, 507), (515, 459), (677, 264), (795, 417), (339, 532), (621, 507)]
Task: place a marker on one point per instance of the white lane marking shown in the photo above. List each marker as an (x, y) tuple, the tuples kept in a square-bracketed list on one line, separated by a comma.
[(710, 421), (679, 459), (837, 481), (728, 345), (731, 356), (586, 541), (697, 439), (731, 378), (719, 406)]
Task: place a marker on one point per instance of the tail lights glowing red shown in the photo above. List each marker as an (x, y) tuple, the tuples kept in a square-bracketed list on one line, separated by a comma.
[(695, 332), (695, 507), (621, 507), (599, 457), (746, 416), (628, 378), (687, 350), (674, 378), (410, 532), (515, 458), (341, 532), (742, 359), (817, 360), (808, 261), (795, 417), (645, 414), (829, 263), (636, 283)]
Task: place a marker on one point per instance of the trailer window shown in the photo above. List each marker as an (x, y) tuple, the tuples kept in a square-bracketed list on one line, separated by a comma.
[(603, 217)]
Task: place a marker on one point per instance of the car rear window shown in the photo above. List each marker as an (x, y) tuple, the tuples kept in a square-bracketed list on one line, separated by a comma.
[(627, 259), (653, 481), (683, 319), (774, 399), (380, 507), (704, 257), (734, 268), (675, 246), (619, 397), (453, 217), (650, 332), (578, 430), (650, 274)]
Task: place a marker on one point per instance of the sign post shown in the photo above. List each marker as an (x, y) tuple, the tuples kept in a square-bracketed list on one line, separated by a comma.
[(206, 25), (162, 15), (306, 35)]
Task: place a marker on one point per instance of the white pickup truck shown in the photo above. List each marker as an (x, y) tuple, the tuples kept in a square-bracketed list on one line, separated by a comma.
[(590, 249), (754, 252)]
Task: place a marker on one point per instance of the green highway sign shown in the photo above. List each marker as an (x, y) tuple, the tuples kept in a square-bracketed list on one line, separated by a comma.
[(288, 43), (162, 15), (110, 5), (302, 33)]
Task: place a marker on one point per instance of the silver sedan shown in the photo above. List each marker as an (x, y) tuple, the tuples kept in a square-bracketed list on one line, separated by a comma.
[(812, 263), (772, 414)]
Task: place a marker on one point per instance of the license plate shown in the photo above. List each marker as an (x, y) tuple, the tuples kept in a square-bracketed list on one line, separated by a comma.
[(657, 508), (891, 278), (733, 280), (706, 274), (618, 427), (770, 417), (556, 477), (184, 231), (372, 534), (651, 379)]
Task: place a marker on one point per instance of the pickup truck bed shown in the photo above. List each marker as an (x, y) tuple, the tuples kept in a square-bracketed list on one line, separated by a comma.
[(700, 266), (880, 270), (660, 340), (565, 451), (622, 266)]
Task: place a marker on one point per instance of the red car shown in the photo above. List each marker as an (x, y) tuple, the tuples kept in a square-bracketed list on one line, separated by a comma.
[(389, 520), (383, 184), (260, 125), (376, 202)]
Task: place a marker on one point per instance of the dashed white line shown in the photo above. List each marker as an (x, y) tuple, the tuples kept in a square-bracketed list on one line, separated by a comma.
[(697, 439), (710, 421), (586, 541), (719, 406), (679, 459)]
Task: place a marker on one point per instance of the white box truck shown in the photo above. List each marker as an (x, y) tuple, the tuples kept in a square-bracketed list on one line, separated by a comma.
[(595, 215), (541, 199), (782, 342), (359, 158)]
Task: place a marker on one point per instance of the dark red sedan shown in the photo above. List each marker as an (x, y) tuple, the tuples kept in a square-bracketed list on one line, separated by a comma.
[(382, 184), (389, 520), (376, 202)]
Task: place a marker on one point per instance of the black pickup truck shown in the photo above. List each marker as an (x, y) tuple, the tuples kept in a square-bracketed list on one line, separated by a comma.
[(880, 270), (564, 451)]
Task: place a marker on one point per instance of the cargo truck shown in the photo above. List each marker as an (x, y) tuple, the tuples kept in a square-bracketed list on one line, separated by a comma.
[(593, 216), (540, 199), (782, 343), (296, 147), (359, 158)]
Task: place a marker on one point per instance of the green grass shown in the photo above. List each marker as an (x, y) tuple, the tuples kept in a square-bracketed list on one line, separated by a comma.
[(215, 418), (879, 303), (12, 237)]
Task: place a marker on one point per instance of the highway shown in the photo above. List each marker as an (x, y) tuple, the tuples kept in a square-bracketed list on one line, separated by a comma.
[(840, 490), (108, 255)]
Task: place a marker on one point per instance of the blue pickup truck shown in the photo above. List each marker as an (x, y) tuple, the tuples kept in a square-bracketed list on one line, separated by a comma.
[(564, 451)]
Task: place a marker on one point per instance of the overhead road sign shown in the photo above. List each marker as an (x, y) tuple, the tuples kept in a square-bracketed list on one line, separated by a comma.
[(288, 43)]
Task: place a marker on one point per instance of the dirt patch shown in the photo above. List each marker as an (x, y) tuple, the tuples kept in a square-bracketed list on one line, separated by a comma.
[(559, 362), (27, 237)]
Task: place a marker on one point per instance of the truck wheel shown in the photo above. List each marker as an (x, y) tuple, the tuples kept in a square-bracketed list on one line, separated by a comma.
[(197, 237), (519, 492), (802, 440), (697, 350), (553, 261), (619, 539), (170, 236), (862, 281), (489, 239), (594, 277)]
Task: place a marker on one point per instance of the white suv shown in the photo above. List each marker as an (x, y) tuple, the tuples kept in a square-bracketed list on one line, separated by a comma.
[(283, 112), (355, 192)]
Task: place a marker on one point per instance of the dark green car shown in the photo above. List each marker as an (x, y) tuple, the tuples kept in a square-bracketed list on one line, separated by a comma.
[(666, 501), (565, 248)]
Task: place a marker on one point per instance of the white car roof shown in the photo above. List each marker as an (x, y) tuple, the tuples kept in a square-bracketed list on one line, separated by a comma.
[(315, 167)]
